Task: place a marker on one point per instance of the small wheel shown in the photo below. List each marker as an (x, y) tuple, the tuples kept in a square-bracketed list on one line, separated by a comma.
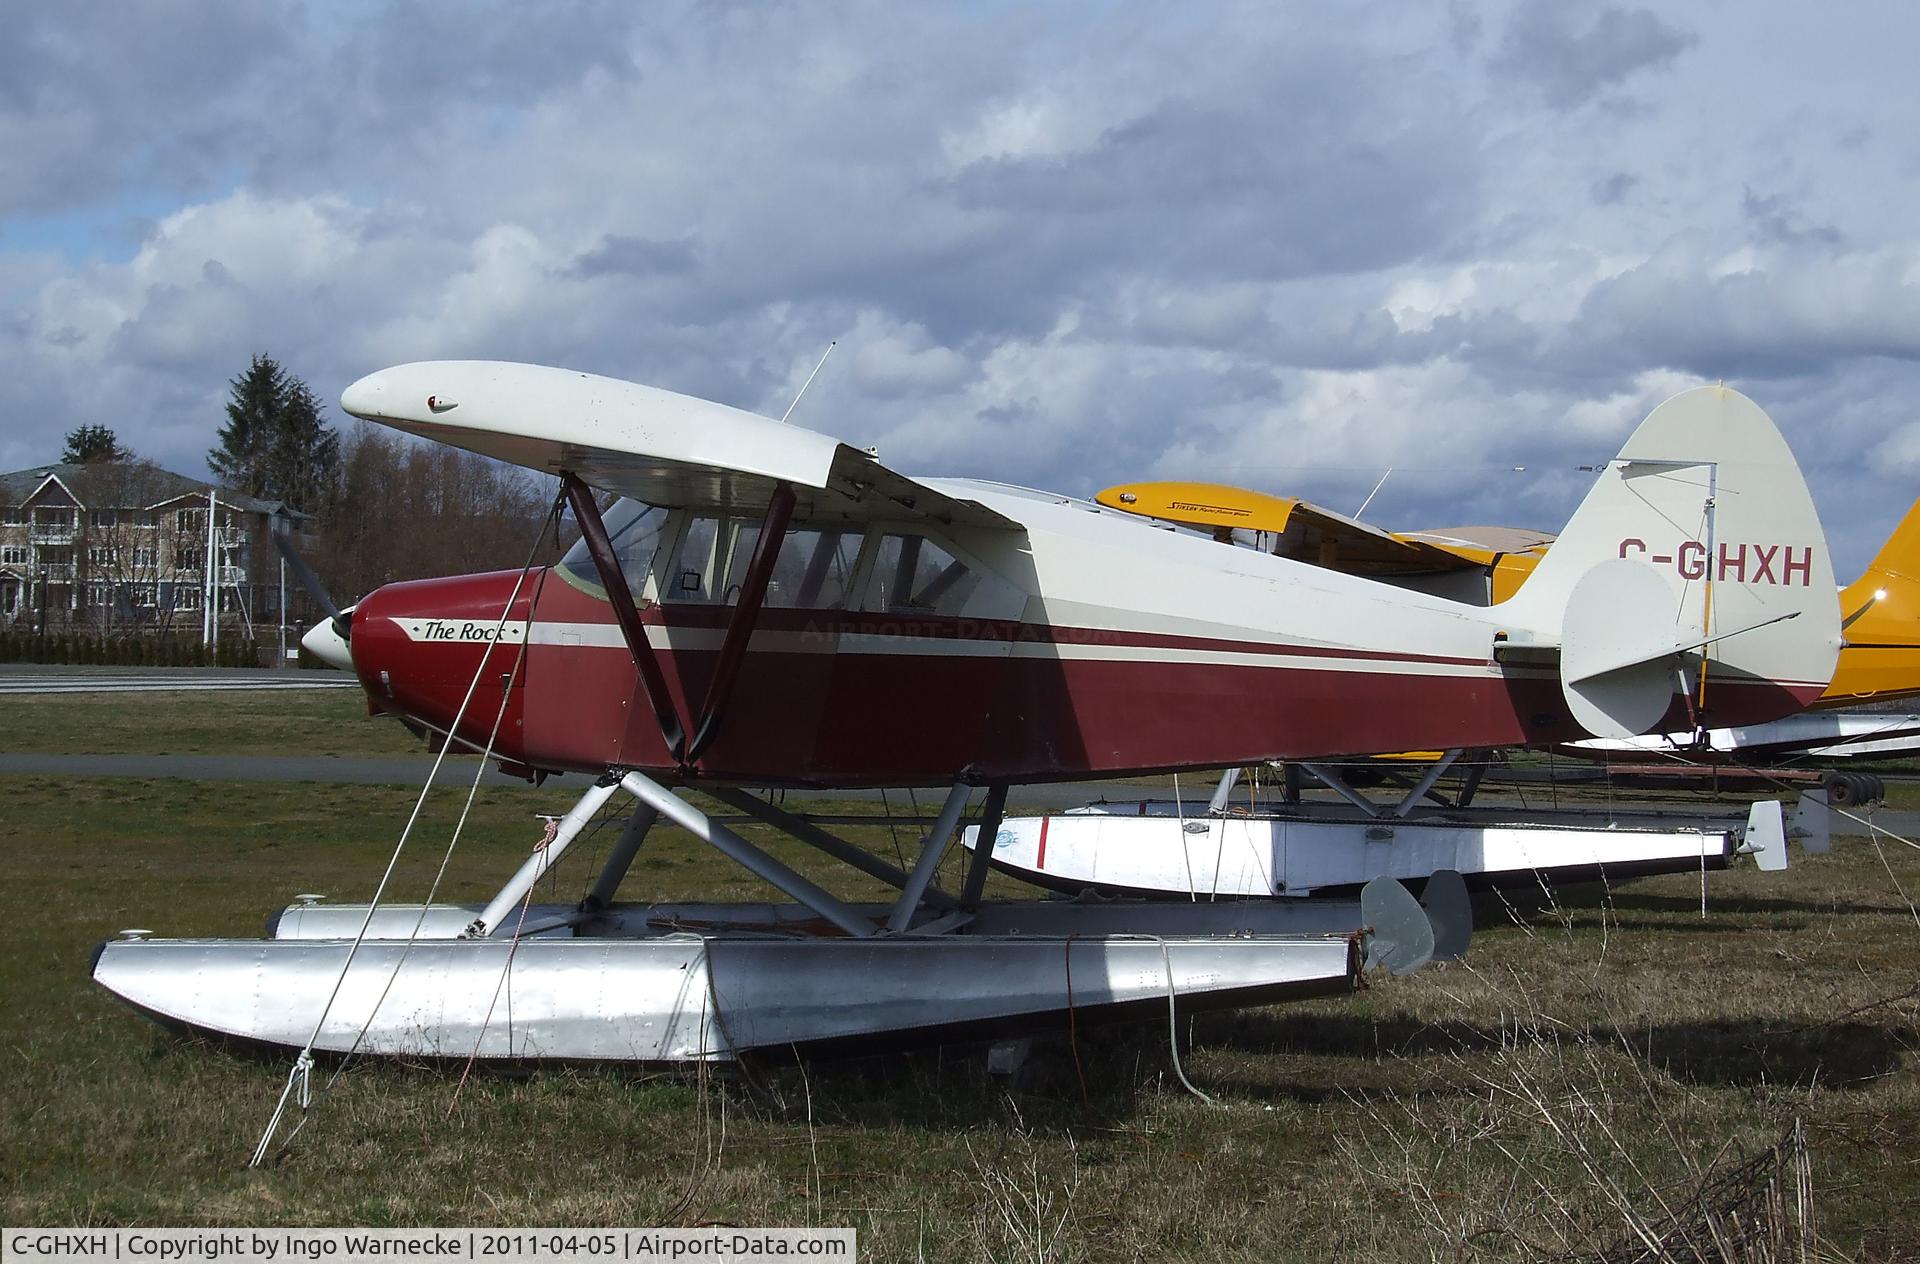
[(1841, 791), (1876, 788)]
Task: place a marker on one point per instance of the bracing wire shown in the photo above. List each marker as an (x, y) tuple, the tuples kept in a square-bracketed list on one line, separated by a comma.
[(299, 1076)]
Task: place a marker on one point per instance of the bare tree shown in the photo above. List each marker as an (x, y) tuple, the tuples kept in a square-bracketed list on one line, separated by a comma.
[(406, 510), (124, 549)]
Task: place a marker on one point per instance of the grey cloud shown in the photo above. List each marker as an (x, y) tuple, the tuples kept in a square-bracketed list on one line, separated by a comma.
[(1464, 27), (1774, 221), (1272, 187), (1614, 188), (102, 99), (618, 255), (1545, 46), (1786, 318)]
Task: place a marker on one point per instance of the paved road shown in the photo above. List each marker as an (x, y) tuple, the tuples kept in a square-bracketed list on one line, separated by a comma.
[(395, 770), (42, 678)]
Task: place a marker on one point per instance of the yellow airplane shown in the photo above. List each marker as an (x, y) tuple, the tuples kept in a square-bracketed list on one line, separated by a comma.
[(1879, 659)]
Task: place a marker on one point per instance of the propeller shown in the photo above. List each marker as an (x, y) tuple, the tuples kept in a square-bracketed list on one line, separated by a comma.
[(331, 641)]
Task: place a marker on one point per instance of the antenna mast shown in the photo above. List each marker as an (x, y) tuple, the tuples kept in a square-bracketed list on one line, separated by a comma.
[(809, 382)]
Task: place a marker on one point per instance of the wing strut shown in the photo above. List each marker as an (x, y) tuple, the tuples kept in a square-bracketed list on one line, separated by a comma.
[(607, 562), (746, 613)]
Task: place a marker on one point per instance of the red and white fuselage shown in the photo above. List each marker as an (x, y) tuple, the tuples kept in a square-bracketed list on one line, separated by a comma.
[(1104, 646)]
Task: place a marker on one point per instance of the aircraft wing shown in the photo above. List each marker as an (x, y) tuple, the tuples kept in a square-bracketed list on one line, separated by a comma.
[(654, 445), (1306, 531)]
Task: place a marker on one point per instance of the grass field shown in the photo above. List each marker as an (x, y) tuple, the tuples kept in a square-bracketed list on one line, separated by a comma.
[(1586, 1065), (307, 721)]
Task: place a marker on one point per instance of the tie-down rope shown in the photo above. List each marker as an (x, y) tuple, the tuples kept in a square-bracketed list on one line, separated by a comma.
[(300, 1076)]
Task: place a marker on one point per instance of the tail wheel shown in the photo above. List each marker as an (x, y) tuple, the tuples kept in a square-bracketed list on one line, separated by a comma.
[(1854, 789)]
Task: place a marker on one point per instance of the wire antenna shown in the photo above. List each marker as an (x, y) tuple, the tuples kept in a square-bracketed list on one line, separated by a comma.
[(1375, 492), (809, 382)]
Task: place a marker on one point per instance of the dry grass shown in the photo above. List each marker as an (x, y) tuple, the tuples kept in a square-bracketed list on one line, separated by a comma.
[(1578, 1075)]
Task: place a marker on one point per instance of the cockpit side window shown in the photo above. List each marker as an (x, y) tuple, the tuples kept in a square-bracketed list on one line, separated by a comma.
[(694, 574), (812, 570), (912, 574), (815, 568)]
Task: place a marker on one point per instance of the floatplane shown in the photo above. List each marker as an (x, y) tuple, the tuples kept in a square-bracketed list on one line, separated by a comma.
[(761, 605)]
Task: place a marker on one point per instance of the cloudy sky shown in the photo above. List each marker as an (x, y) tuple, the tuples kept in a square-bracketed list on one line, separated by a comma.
[(1064, 245)]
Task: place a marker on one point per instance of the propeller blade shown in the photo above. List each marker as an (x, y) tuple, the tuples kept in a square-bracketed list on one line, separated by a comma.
[(342, 625)]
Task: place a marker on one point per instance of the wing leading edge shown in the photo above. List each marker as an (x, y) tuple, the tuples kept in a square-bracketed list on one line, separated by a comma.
[(654, 445)]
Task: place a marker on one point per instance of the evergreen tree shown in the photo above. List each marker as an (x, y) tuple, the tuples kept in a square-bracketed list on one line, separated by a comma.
[(275, 445), (93, 445)]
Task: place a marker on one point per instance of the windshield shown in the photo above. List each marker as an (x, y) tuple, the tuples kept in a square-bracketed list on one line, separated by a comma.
[(635, 530)]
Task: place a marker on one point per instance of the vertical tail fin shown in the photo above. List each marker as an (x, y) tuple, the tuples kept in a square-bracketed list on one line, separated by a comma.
[(1880, 620), (1698, 552)]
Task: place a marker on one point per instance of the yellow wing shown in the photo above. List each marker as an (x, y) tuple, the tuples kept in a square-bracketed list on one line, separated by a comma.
[(1302, 531)]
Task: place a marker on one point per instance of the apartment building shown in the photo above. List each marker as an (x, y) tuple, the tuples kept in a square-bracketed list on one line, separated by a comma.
[(114, 549)]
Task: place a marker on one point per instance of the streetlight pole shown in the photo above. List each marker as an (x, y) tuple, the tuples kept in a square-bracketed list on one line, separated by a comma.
[(207, 590)]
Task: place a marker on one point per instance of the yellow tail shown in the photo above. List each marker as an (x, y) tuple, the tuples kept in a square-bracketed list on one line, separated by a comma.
[(1880, 621)]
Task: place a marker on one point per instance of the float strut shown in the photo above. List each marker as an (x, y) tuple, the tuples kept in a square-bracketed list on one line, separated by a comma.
[(620, 859), (565, 831), (930, 853), (990, 815), (807, 832), (1218, 804), (745, 854), (1434, 772)]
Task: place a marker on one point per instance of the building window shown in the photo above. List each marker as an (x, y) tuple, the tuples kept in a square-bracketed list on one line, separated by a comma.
[(13, 516), (146, 596), (146, 520), (103, 517), (145, 557), (15, 555), (100, 555), (188, 519)]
